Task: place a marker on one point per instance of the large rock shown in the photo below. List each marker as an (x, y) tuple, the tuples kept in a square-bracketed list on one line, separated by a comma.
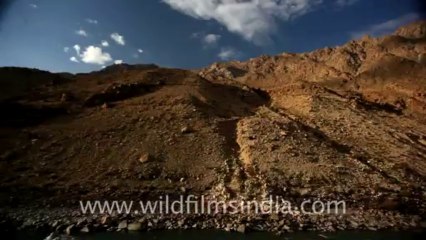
[(85, 229), (105, 220), (136, 226), (144, 158), (241, 228), (122, 224), (71, 229)]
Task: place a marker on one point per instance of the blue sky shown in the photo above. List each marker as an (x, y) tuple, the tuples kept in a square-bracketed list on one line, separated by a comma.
[(67, 35)]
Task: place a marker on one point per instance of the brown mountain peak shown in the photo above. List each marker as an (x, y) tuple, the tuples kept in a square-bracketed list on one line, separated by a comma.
[(413, 30)]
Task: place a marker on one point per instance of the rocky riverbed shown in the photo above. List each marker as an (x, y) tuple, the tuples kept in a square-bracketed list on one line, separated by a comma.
[(71, 222)]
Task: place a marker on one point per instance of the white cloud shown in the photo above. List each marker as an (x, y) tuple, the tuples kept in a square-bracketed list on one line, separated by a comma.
[(95, 55), (139, 51), (33, 5), (74, 59), (66, 49), (118, 61), (104, 43), (81, 32), (77, 49), (207, 39), (211, 39), (91, 21), (344, 3), (228, 54), (385, 27), (255, 20), (118, 39)]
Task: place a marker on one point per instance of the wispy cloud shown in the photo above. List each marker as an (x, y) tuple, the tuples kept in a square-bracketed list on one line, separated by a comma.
[(208, 39), (118, 62), (81, 32), (105, 43), (91, 21), (33, 5), (254, 20), (74, 59), (138, 52), (77, 49), (228, 53), (119, 39), (196, 35), (385, 27), (66, 49), (211, 39)]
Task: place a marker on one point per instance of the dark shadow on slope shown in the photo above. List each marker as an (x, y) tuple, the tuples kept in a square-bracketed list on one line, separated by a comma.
[(18, 115), (121, 92), (360, 102), (227, 129), (236, 72)]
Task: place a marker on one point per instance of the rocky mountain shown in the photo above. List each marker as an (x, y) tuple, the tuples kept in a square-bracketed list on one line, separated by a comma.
[(344, 123)]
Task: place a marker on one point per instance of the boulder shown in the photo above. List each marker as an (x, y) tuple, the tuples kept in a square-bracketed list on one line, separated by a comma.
[(241, 228), (144, 158), (85, 229), (185, 130), (70, 229), (105, 220), (136, 226), (122, 224)]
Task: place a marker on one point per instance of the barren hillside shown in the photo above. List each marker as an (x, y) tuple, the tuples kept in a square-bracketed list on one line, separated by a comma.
[(337, 123)]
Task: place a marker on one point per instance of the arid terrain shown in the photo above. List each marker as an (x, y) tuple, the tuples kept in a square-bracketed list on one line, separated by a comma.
[(345, 123)]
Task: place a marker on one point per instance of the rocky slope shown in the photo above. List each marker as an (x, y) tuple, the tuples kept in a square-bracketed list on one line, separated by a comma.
[(345, 123), (356, 113)]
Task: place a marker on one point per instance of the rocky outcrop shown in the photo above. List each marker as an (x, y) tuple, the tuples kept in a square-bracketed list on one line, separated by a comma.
[(387, 70)]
